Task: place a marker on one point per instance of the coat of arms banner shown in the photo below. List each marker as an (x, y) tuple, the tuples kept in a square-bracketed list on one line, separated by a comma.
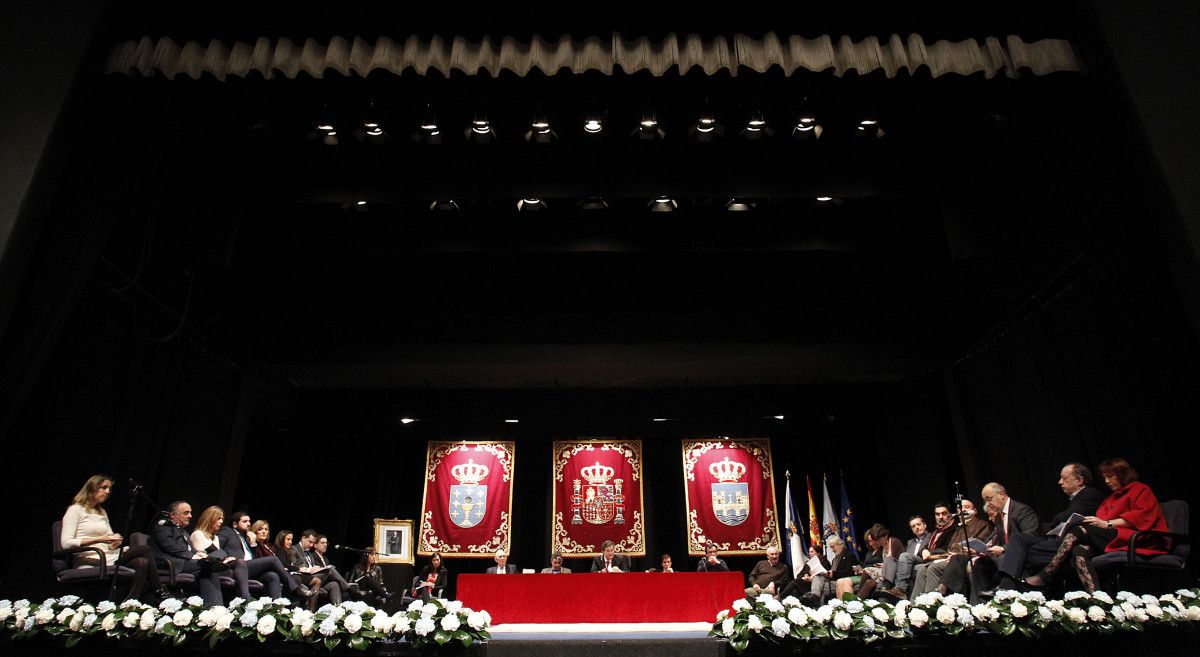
[(730, 495), (467, 508), (598, 497)]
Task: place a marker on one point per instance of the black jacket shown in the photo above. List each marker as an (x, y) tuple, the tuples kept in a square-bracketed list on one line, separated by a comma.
[(619, 560), (170, 543), (231, 543), (1085, 503)]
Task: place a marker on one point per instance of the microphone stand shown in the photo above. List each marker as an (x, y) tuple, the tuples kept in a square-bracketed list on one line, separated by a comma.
[(136, 491), (961, 514)]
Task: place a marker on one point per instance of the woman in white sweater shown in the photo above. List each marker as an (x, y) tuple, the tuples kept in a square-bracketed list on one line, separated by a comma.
[(85, 524)]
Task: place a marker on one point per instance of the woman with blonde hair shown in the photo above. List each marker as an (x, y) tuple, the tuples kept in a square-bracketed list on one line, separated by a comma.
[(205, 541), (85, 525)]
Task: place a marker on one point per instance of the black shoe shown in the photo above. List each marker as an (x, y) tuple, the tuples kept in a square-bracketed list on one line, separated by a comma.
[(810, 599)]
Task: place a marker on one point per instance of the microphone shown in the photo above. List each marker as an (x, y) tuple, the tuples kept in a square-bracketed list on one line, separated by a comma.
[(134, 486), (344, 547)]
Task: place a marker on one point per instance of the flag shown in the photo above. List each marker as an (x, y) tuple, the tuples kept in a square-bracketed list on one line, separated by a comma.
[(829, 521), (848, 533), (814, 530), (796, 553)]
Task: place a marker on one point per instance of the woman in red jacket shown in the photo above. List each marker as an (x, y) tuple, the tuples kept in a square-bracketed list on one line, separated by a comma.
[(1130, 508)]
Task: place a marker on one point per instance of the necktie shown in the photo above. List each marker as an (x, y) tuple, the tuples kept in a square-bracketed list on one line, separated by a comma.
[(1004, 524)]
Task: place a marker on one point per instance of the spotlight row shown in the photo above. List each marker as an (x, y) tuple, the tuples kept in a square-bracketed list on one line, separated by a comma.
[(706, 128), (410, 420), (595, 203)]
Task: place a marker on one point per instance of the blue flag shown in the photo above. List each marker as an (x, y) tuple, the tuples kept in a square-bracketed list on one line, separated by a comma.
[(849, 534), (796, 554)]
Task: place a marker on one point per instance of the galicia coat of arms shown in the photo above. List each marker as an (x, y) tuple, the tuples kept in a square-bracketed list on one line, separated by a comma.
[(597, 502), (730, 497), (468, 498)]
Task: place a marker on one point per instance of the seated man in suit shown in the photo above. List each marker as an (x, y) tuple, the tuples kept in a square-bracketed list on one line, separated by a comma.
[(556, 567), (902, 580), (1027, 552), (768, 576), (502, 566), (309, 563), (170, 543), (665, 562), (608, 561), (802, 584), (710, 563), (929, 575), (238, 541)]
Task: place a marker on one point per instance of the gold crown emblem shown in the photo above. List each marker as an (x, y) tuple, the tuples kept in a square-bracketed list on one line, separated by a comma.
[(727, 471), (469, 472), (597, 474)]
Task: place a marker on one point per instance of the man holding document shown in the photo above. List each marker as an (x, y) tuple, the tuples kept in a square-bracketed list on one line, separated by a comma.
[(1026, 552)]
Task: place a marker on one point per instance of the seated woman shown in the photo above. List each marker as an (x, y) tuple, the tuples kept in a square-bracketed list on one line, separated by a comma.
[(1132, 507), (282, 548), (205, 541), (433, 577), (801, 586), (369, 577), (263, 547), (86, 524), (882, 547)]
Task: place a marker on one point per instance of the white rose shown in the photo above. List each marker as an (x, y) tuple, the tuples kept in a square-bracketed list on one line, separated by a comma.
[(1019, 610), (68, 600), (5, 613), (109, 622), (763, 598), (1149, 599), (195, 601), (206, 618), (171, 605), (1154, 611), (131, 604), (945, 614), (774, 606), (64, 615), (721, 615), (147, 620), (105, 606), (415, 605), (727, 627), (956, 600), (780, 627), (871, 602), (306, 628), (223, 622), (796, 616), (182, 618), (1118, 613), (964, 617), (1096, 614), (1192, 613), (868, 623), (1077, 615), (1044, 614), (842, 620), (161, 622), (880, 614), (929, 599), (475, 620), (6, 604), (236, 602), (337, 613), (381, 623), (44, 615), (255, 606), (1138, 614), (1057, 606), (248, 619), (131, 620), (89, 620), (404, 625), (20, 616), (1185, 593), (1172, 611), (834, 602), (281, 602), (487, 618), (266, 625), (77, 621), (822, 614), (450, 622), (854, 607), (1006, 594), (741, 605), (21, 604), (352, 623), (1033, 596), (918, 618), (754, 623), (791, 601), (1101, 596), (981, 612), (424, 626)]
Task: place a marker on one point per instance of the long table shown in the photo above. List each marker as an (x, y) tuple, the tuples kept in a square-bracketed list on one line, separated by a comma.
[(601, 597)]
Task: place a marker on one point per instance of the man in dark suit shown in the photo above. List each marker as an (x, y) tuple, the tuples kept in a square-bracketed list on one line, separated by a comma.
[(608, 561), (1012, 517), (902, 580), (309, 563), (1029, 551), (556, 566), (710, 563), (502, 566), (170, 543), (236, 539)]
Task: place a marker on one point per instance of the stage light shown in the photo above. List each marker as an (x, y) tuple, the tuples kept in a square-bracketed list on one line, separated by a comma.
[(648, 128), (778, 417), (660, 419), (663, 204), (739, 205), (532, 204), (593, 203), (824, 199), (756, 127), (592, 126), (511, 421), (706, 128), (407, 420), (481, 130), (326, 133), (444, 205), (869, 128), (539, 131), (428, 131)]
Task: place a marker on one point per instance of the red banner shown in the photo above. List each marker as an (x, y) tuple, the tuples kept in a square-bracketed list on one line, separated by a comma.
[(598, 497), (467, 509), (730, 495)]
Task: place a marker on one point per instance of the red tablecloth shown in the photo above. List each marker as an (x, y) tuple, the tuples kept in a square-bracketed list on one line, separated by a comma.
[(602, 597)]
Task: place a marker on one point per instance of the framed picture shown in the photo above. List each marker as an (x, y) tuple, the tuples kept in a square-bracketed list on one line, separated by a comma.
[(394, 540)]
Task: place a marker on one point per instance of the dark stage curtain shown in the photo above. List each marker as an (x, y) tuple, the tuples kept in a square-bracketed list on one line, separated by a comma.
[(1084, 371)]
